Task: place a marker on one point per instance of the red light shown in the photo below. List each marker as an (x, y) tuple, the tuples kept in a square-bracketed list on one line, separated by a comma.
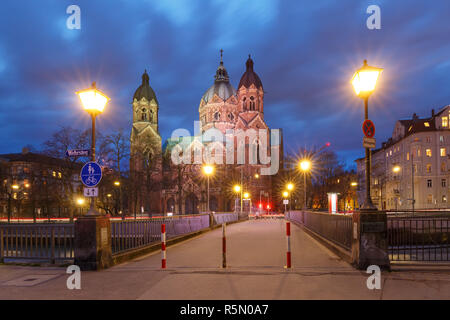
[(260, 205), (268, 206), (328, 144)]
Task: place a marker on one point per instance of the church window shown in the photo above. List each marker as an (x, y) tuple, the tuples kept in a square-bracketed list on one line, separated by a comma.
[(252, 103), (151, 115), (244, 103), (231, 116), (217, 116), (144, 114)]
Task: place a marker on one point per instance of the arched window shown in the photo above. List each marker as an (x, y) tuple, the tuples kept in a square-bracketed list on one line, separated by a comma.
[(151, 115), (144, 114), (252, 103), (217, 116), (244, 104), (231, 116)]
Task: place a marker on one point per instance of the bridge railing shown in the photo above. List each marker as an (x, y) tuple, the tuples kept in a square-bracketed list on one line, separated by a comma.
[(336, 228), (47, 242), (419, 238), (133, 234), (224, 217)]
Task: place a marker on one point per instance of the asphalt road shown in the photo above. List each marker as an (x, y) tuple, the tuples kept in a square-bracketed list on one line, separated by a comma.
[(256, 255)]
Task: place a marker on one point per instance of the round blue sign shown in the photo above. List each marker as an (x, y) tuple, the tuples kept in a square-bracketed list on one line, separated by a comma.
[(91, 174)]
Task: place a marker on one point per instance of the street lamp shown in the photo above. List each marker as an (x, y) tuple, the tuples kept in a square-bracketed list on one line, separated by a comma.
[(94, 102), (237, 190), (396, 169), (305, 166), (290, 187), (364, 81), (208, 171), (285, 196)]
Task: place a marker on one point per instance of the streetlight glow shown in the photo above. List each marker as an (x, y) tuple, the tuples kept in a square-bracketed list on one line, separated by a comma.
[(290, 186), (246, 195), (285, 194), (354, 184), (305, 165), (365, 79), (92, 99), (208, 170), (80, 201), (117, 183), (396, 169), (15, 186), (237, 188)]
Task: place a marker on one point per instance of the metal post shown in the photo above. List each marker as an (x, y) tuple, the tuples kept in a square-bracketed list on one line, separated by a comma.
[(368, 201), (1, 246), (412, 180), (163, 246), (224, 246), (304, 185), (242, 187), (52, 245), (208, 194), (288, 238), (92, 211)]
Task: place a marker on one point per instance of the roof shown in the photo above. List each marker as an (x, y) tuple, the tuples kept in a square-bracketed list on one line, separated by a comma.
[(37, 158), (250, 77), (221, 87), (144, 90)]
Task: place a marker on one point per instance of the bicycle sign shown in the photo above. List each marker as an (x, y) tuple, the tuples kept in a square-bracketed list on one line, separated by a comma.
[(91, 174)]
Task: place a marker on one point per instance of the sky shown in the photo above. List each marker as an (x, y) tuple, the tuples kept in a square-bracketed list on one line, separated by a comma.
[(305, 53)]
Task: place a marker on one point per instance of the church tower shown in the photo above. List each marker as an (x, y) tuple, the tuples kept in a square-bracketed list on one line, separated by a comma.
[(251, 99), (145, 144)]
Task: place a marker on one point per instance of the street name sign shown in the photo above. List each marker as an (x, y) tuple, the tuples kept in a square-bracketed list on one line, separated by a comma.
[(91, 174), (90, 192), (368, 128), (369, 143), (285, 201), (77, 153)]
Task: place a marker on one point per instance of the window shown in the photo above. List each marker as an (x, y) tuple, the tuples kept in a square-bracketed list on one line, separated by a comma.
[(441, 139), (443, 152), (418, 152), (428, 152), (444, 122), (407, 156), (244, 104), (444, 198), (252, 103), (151, 115), (387, 154), (217, 116), (415, 168), (443, 167), (390, 153), (427, 124), (444, 183), (59, 175), (231, 116), (54, 173), (428, 167), (428, 139), (430, 199), (429, 183), (144, 114)]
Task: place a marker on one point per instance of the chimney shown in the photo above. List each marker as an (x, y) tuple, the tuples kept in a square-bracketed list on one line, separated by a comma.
[(432, 112)]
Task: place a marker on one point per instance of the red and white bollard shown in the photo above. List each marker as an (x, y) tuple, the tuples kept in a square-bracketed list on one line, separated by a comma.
[(163, 246), (224, 246), (288, 236)]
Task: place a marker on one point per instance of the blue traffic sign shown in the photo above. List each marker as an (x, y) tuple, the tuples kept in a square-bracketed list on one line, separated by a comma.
[(91, 174)]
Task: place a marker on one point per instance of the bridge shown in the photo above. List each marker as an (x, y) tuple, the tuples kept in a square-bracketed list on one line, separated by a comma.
[(256, 260)]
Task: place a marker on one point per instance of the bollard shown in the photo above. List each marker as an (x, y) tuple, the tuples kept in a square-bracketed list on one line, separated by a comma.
[(224, 246), (163, 246), (288, 236)]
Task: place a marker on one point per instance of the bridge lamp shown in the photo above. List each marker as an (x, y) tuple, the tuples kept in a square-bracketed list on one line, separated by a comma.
[(285, 194), (364, 81), (94, 102), (208, 171), (396, 169)]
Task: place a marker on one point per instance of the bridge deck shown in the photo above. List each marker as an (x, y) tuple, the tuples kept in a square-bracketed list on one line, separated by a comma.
[(256, 256)]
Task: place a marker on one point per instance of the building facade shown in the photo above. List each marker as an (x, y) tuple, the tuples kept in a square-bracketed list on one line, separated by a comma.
[(225, 114), (413, 164)]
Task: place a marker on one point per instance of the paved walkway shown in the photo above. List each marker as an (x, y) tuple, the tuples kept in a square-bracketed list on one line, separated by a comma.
[(256, 256)]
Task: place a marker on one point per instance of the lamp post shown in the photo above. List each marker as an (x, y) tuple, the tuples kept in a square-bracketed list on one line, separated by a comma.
[(237, 189), (285, 196), (94, 102), (354, 184), (290, 187), (246, 197), (364, 81), (208, 171), (305, 166)]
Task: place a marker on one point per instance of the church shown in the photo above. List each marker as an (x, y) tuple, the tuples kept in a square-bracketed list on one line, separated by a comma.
[(162, 185)]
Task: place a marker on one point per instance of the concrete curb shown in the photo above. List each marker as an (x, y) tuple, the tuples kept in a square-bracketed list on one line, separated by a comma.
[(337, 250)]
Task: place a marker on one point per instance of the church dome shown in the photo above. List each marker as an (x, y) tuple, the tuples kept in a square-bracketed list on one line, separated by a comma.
[(250, 77), (222, 86), (144, 90)]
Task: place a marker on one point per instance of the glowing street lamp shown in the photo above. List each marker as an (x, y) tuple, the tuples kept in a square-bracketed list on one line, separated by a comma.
[(354, 184), (208, 170), (305, 166), (15, 187), (80, 201), (246, 195), (396, 169), (94, 102), (117, 183), (285, 194), (364, 81), (237, 188)]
